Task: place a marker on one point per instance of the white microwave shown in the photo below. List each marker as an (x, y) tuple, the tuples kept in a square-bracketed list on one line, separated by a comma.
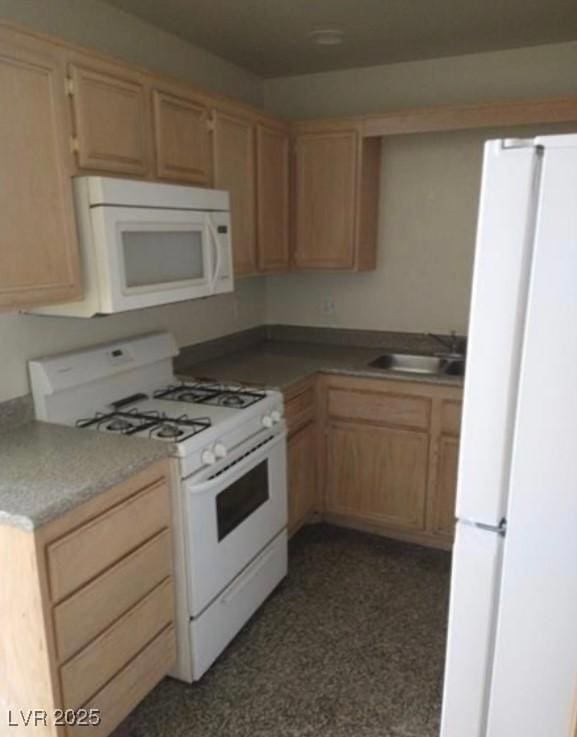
[(145, 244)]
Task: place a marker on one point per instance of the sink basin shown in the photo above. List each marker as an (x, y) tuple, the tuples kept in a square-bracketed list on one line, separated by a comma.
[(412, 363)]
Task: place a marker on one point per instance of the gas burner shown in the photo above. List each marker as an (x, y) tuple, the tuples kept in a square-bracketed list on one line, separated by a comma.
[(119, 424), (156, 424), (212, 394), (168, 431)]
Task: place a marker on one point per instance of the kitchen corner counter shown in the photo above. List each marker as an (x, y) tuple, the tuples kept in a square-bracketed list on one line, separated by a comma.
[(48, 469), (281, 364)]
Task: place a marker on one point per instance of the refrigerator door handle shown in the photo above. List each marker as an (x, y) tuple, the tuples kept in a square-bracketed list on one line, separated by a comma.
[(500, 529)]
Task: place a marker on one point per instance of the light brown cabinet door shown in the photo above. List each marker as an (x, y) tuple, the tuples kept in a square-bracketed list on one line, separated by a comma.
[(272, 161), (377, 475), (445, 489), (325, 200), (39, 257), (111, 118), (182, 138), (302, 475), (234, 171)]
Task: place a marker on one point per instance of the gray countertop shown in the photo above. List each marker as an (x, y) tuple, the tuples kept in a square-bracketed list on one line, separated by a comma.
[(47, 469), (283, 363)]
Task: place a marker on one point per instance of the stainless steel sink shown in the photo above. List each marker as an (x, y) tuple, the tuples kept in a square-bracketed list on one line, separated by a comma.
[(412, 363)]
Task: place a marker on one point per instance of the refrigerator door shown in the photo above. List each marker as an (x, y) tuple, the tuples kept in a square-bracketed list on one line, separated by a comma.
[(535, 670), (475, 578), (509, 192)]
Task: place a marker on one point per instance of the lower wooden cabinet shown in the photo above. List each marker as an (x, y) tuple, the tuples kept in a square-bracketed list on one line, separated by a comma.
[(302, 453), (444, 487), (377, 474), (391, 453), (302, 475), (87, 607)]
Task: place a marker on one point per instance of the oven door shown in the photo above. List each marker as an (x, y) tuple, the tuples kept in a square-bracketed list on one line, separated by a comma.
[(231, 516), (152, 256)]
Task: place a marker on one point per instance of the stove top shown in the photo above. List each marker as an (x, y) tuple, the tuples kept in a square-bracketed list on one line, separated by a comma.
[(153, 424), (216, 395)]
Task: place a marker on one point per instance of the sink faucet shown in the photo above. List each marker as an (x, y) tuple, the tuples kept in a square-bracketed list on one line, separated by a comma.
[(451, 344)]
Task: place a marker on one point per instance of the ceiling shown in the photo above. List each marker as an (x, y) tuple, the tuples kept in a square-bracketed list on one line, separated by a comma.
[(271, 37)]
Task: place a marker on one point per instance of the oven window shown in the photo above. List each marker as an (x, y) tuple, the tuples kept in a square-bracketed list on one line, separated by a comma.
[(241, 499), (162, 256)]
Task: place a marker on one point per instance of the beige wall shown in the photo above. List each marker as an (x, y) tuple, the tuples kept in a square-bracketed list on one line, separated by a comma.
[(429, 191), (103, 27), (540, 71), (430, 186), (95, 24)]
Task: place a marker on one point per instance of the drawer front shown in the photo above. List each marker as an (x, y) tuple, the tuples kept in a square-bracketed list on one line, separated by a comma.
[(92, 609), (105, 656), (119, 697), (451, 418), (75, 559), (300, 409), (396, 410)]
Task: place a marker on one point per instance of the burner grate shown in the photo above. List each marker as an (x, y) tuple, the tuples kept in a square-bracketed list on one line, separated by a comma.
[(219, 395), (155, 424)]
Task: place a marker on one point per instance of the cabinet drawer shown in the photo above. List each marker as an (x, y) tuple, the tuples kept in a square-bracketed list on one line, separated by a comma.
[(78, 557), (451, 418), (92, 609), (119, 697), (105, 656), (300, 409), (396, 410)]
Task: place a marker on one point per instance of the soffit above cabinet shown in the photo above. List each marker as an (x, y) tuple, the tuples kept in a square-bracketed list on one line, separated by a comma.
[(272, 38)]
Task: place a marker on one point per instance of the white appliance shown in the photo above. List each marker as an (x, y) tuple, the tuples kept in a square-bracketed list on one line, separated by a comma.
[(145, 244), (230, 505), (511, 667)]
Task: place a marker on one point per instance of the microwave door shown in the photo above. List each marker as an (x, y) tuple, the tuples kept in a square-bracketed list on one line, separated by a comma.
[(151, 256)]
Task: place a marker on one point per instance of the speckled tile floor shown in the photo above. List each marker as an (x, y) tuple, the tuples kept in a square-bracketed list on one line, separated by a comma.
[(351, 644)]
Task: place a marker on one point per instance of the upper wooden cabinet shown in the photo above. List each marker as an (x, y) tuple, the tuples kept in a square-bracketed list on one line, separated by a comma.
[(272, 176), (336, 200), (181, 137), (234, 170), (39, 257), (111, 120)]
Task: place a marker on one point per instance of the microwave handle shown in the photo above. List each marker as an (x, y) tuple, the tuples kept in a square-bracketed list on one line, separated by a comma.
[(217, 249)]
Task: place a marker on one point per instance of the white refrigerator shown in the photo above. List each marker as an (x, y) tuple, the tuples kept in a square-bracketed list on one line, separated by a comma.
[(511, 665)]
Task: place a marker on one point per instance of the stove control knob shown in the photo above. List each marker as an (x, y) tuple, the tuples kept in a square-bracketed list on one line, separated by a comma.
[(220, 450), (276, 415), (267, 421), (208, 457)]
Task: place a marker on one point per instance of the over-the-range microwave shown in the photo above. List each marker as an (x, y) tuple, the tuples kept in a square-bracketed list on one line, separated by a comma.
[(145, 244)]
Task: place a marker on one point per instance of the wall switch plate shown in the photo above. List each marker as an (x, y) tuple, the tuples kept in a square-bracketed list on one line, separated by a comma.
[(328, 306)]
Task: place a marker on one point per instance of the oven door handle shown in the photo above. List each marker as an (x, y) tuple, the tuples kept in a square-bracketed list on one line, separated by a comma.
[(236, 470)]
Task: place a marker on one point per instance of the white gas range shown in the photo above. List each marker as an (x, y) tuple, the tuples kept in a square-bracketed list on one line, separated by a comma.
[(230, 505)]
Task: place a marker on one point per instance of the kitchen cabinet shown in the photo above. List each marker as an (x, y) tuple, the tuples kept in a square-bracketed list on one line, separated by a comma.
[(87, 605), (444, 465), (111, 119), (272, 176), (39, 251), (336, 200), (302, 453), (181, 137), (377, 474), (234, 170), (390, 457)]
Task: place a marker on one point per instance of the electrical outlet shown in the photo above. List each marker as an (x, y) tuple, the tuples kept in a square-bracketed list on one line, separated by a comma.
[(328, 307)]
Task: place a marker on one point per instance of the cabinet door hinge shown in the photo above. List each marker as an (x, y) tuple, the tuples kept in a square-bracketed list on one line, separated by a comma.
[(69, 86), (210, 122), (74, 144)]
